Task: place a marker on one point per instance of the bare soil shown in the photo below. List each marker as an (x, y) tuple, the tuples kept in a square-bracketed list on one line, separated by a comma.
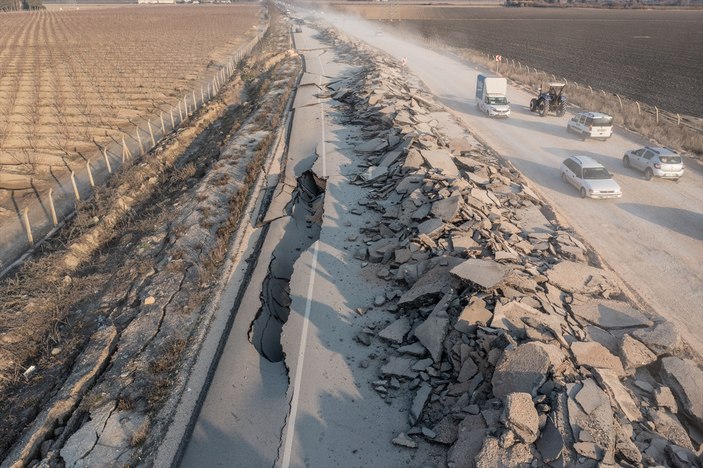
[(171, 215), (73, 82)]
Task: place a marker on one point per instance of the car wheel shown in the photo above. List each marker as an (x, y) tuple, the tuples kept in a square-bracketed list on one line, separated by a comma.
[(648, 174), (542, 109), (626, 161), (563, 178), (568, 128), (533, 105), (583, 192)]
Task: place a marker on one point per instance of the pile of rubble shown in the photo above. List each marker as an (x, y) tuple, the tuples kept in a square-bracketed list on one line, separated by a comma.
[(515, 349)]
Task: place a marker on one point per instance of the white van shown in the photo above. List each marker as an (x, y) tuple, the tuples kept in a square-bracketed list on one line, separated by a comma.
[(591, 124)]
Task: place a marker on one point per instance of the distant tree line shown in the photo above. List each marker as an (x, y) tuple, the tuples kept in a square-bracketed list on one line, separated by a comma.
[(17, 5)]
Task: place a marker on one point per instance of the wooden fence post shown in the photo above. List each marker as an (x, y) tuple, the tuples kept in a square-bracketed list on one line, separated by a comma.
[(173, 123), (27, 226), (75, 187), (195, 103), (90, 174), (678, 119), (139, 140), (209, 96), (202, 96), (656, 109), (185, 104), (639, 110), (52, 207), (151, 133), (107, 161), (163, 127), (620, 101), (180, 112), (591, 89)]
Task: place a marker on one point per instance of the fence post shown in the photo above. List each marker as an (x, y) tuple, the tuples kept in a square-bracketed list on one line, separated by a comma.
[(639, 110), (107, 161), (27, 226), (126, 153), (656, 109), (90, 174), (202, 96), (151, 133), (139, 140), (185, 104), (180, 112), (589, 87), (678, 119), (75, 187), (209, 96), (163, 127), (620, 101), (173, 124), (52, 208), (195, 103)]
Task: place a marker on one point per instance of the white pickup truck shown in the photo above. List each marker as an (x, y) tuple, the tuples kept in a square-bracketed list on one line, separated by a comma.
[(491, 95)]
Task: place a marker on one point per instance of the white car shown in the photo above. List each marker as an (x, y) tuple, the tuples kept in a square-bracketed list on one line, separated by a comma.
[(591, 125), (590, 178)]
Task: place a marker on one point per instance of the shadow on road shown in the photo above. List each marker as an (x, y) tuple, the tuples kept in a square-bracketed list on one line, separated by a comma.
[(684, 222)]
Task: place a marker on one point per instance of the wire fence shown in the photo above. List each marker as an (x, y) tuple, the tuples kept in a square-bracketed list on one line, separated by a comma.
[(43, 213)]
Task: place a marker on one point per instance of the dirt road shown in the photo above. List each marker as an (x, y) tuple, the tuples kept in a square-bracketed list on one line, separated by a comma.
[(652, 237)]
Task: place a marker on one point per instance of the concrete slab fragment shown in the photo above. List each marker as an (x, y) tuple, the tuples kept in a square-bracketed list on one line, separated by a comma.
[(685, 379), (522, 369), (485, 273), (582, 279), (620, 394), (442, 160), (611, 314), (592, 354)]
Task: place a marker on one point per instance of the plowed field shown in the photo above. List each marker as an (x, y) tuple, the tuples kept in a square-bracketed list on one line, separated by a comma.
[(651, 56), (73, 81)]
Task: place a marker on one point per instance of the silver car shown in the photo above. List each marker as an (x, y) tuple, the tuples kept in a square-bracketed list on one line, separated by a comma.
[(590, 178), (655, 161)]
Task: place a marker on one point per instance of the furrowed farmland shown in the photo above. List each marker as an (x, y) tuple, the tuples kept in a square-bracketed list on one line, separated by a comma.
[(72, 83)]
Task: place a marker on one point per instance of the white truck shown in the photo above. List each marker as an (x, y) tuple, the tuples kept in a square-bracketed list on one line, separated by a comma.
[(492, 95)]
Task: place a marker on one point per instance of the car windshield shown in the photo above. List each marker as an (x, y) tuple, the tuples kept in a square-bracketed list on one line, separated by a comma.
[(596, 173), (603, 121), (670, 159), (497, 100)]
